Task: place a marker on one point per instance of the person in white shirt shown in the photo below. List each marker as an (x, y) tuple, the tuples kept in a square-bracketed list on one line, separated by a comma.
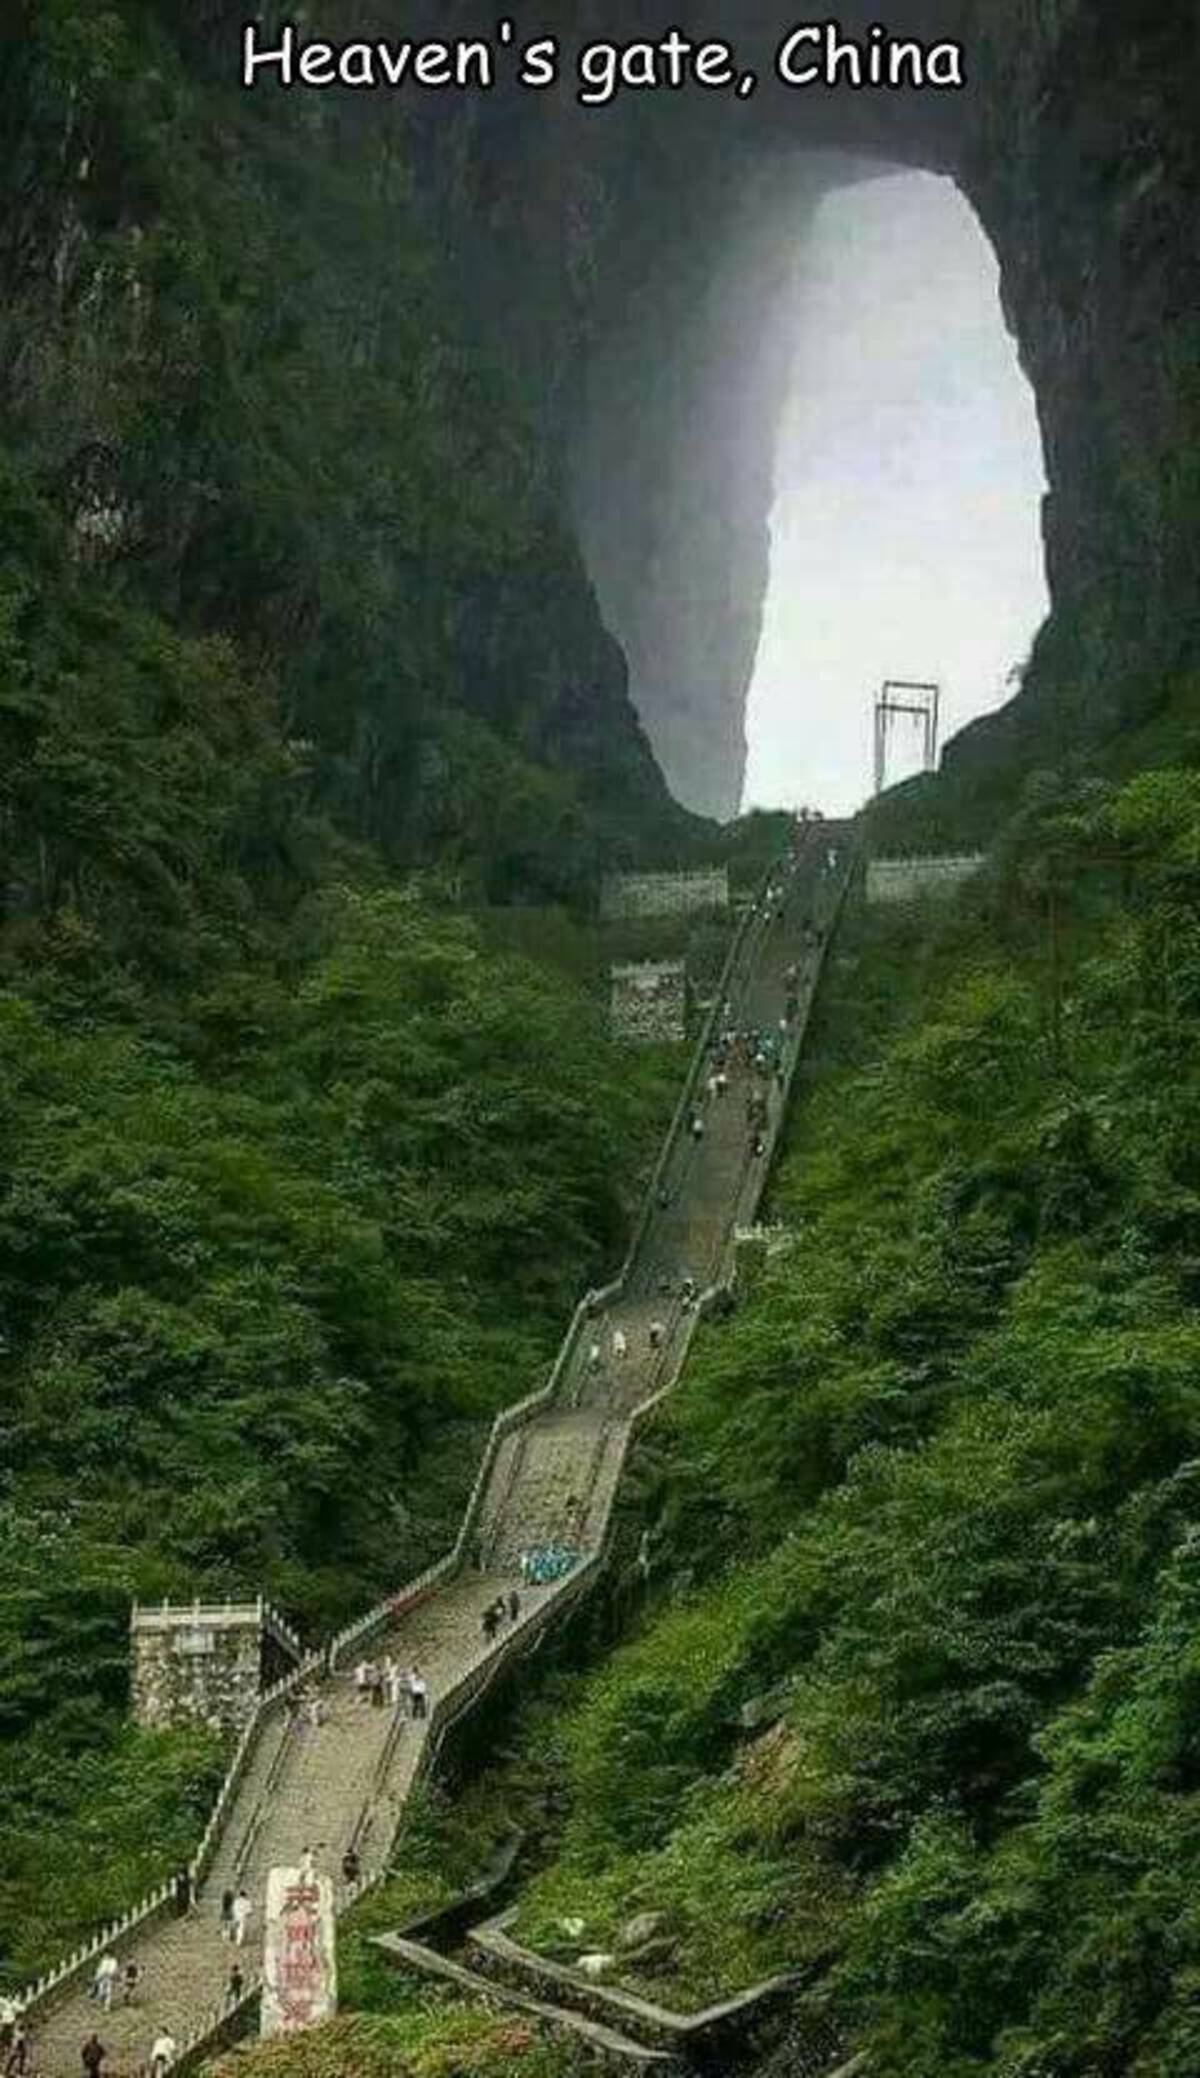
[(163, 2054), (104, 1983), (241, 1917), (419, 1690), (619, 1344)]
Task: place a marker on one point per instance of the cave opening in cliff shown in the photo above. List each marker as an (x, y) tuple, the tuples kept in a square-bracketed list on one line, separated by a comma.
[(905, 528)]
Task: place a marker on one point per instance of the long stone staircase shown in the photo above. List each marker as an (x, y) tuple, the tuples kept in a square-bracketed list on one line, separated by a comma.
[(548, 1479)]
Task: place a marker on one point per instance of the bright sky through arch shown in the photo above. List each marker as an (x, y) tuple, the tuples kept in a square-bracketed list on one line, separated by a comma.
[(905, 534)]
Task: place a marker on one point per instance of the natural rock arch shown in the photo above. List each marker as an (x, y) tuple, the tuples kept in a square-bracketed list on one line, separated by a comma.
[(647, 236)]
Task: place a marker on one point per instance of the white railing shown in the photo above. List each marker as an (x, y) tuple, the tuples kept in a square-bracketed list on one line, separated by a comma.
[(264, 1614), (154, 1905), (225, 2019)]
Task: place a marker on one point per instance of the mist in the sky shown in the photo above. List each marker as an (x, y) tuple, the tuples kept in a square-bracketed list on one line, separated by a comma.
[(905, 535)]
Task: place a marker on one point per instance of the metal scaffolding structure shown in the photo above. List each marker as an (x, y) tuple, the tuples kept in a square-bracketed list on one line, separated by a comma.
[(923, 703)]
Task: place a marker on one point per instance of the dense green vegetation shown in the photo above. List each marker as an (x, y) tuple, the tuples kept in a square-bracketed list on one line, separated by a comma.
[(294, 1159), (301, 1168), (431, 2035), (935, 1488), (263, 1282)]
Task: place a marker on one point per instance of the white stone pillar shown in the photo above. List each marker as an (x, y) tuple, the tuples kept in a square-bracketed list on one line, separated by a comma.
[(299, 1952)]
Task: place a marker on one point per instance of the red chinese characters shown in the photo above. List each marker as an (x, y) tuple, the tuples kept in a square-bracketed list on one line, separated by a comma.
[(299, 1969)]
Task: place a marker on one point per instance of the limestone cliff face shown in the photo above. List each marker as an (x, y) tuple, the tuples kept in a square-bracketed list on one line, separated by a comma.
[(1084, 165), (670, 472), (433, 403), (231, 366), (664, 341)]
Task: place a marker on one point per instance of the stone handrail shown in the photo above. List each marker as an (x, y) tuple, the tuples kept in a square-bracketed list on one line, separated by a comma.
[(278, 1763), (385, 1611), (271, 1700), (222, 2022), (448, 1708), (522, 1411)]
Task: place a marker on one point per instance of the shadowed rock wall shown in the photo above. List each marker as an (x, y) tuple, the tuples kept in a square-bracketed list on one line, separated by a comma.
[(660, 340), (627, 275)]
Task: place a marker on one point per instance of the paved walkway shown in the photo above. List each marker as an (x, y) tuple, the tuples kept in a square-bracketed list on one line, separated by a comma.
[(553, 1483)]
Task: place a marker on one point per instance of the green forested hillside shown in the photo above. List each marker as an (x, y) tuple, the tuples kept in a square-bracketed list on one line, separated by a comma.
[(270, 1256), (298, 1183), (934, 1490), (300, 1170), (431, 2037)]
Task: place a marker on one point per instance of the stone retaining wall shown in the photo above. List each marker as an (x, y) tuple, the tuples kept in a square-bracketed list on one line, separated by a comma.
[(601, 2045), (722, 2030), (625, 895), (906, 880)]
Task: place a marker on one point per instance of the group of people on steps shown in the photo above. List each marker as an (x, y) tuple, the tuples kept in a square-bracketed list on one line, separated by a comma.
[(404, 1689)]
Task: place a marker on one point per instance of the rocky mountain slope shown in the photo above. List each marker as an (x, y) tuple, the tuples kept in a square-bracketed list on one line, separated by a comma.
[(573, 324)]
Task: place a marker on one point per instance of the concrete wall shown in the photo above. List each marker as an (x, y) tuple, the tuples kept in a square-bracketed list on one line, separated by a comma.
[(624, 895), (648, 1005), (907, 880)]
